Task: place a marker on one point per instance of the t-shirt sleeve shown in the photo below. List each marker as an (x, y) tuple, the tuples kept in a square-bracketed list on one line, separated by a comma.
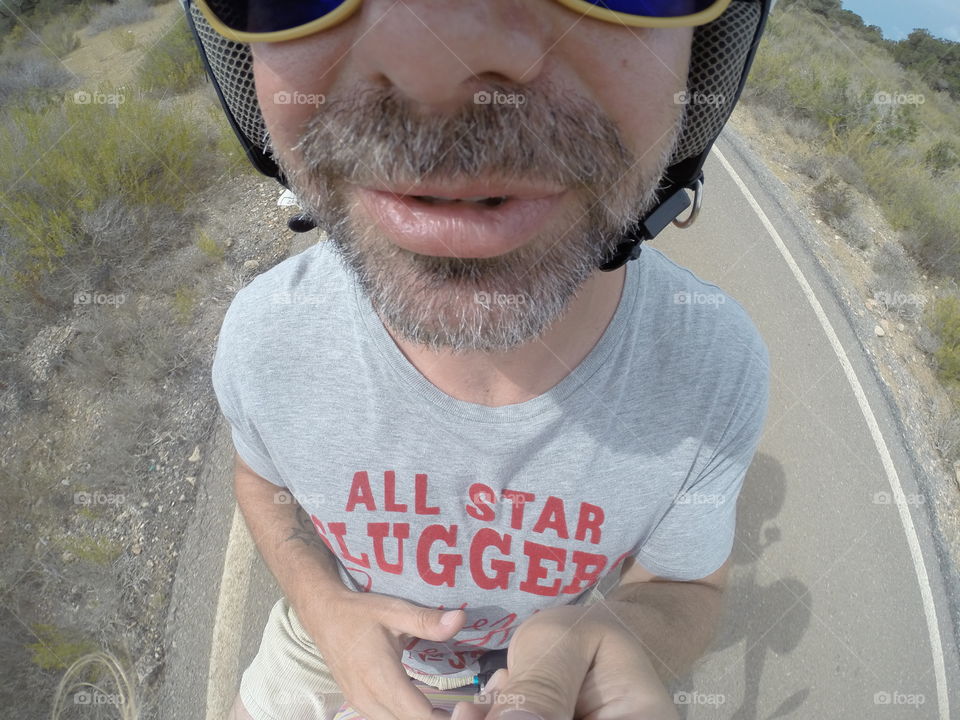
[(695, 536), (229, 376)]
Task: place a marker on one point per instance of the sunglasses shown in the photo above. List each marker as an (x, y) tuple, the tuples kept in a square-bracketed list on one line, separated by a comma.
[(249, 21)]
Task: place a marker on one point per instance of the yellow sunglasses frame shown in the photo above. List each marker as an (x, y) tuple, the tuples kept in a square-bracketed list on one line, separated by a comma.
[(581, 7)]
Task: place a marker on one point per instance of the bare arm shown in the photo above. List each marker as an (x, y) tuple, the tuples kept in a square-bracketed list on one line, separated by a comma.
[(361, 635), (303, 566)]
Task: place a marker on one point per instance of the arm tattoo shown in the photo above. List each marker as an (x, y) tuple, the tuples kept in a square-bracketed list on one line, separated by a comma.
[(305, 532)]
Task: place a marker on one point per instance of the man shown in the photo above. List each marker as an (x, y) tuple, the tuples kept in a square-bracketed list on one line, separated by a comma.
[(453, 429)]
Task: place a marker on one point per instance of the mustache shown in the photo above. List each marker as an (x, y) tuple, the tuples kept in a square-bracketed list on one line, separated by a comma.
[(375, 137)]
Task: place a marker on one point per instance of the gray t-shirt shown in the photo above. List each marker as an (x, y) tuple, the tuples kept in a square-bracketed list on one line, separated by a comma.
[(503, 511)]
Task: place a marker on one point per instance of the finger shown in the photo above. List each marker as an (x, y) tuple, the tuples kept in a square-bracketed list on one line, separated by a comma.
[(494, 684), (547, 667), (469, 711), (390, 695), (427, 623)]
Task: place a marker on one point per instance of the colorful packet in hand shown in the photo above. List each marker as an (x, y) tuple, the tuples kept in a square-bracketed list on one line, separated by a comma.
[(441, 700)]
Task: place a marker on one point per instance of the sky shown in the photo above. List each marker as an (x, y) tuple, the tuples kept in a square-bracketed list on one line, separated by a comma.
[(897, 18)]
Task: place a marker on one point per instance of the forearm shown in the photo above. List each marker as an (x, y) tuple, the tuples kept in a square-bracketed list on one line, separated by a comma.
[(303, 566), (675, 622)]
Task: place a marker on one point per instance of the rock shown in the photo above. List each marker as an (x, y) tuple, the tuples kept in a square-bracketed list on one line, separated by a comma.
[(251, 265), (879, 331), (228, 243), (146, 667), (192, 480), (901, 327), (67, 556), (136, 549), (885, 324), (196, 455)]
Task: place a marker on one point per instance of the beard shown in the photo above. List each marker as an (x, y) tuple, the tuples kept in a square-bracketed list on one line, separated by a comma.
[(444, 303)]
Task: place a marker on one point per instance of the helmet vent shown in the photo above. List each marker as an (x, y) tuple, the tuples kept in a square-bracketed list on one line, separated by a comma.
[(232, 65), (717, 61)]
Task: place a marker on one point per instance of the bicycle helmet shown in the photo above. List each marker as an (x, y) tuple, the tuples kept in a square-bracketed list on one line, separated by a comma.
[(720, 61)]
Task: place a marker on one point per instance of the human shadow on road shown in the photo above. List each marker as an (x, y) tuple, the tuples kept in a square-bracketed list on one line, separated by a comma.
[(763, 617)]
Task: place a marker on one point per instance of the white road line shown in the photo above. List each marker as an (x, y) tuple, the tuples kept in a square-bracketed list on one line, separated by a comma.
[(228, 622), (929, 609)]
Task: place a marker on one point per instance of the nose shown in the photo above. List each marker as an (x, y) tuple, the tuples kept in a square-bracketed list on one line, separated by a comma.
[(438, 53)]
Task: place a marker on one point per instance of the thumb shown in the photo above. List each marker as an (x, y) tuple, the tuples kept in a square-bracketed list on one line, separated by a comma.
[(540, 686), (426, 623)]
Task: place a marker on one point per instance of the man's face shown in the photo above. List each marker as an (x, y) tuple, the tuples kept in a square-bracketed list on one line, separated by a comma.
[(573, 120)]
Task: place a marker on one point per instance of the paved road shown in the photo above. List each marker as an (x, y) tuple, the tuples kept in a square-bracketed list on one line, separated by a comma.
[(836, 603)]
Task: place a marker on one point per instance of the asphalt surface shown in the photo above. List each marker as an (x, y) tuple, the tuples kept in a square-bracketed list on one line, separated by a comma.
[(837, 606)]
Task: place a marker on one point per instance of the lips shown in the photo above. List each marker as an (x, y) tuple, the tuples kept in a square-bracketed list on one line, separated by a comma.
[(476, 220)]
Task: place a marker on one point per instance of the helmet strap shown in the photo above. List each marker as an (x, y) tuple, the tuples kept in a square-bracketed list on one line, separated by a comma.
[(666, 212)]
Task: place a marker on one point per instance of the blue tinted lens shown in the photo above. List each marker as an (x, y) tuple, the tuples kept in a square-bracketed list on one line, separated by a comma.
[(655, 8), (259, 16)]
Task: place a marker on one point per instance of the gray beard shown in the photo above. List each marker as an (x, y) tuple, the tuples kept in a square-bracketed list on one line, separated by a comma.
[(490, 304)]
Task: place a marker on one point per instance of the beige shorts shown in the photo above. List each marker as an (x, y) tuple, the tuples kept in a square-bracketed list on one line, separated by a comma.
[(289, 680)]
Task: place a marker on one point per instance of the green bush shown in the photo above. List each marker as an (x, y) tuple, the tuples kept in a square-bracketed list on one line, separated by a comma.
[(31, 78), (942, 157), (123, 40), (833, 199), (898, 151), (943, 319), (59, 35), (63, 163), (56, 649), (210, 248), (173, 64)]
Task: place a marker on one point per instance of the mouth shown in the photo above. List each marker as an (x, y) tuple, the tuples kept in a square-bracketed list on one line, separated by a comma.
[(486, 201), (467, 221)]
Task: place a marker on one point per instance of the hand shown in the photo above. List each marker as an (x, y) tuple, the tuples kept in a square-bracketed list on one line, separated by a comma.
[(566, 663), (361, 637)]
